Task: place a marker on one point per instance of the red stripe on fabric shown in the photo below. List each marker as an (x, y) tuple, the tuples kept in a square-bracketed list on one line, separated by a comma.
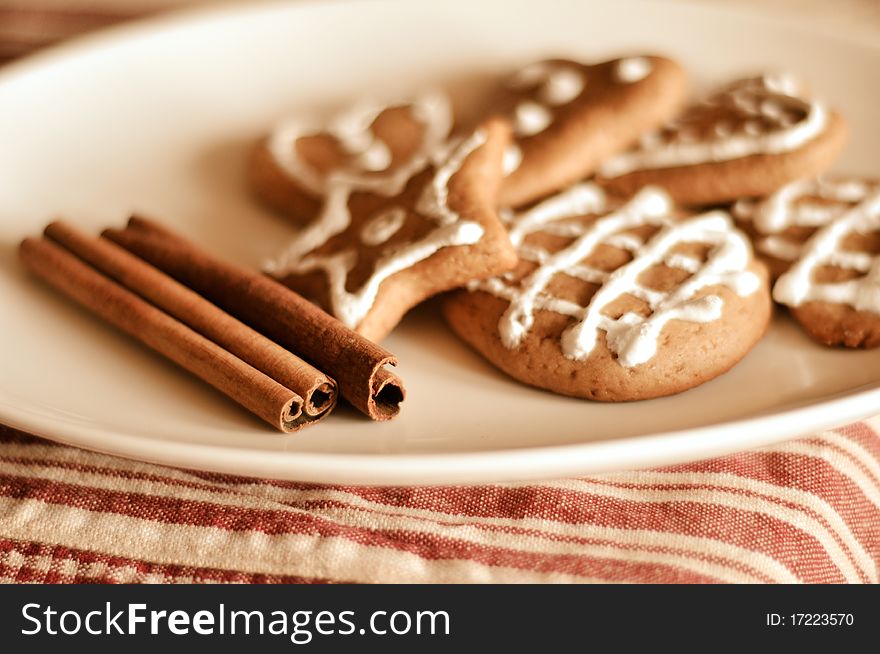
[(10, 435)]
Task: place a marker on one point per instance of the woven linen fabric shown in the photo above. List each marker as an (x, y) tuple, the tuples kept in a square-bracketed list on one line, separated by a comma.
[(803, 511)]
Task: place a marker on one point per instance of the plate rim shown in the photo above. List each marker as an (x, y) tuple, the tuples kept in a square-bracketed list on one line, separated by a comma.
[(484, 466), (524, 463)]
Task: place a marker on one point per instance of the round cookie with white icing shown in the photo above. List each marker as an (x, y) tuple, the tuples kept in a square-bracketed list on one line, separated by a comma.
[(746, 140), (617, 300), (781, 223), (833, 286), (293, 169), (568, 117), (382, 244)]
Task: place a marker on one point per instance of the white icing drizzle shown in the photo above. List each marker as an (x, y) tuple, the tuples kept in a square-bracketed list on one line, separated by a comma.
[(530, 118), (562, 86), (556, 84), (825, 248), (632, 69), (632, 337), (513, 156), (383, 226), (779, 248), (803, 203), (431, 109), (352, 306), (433, 202), (760, 101)]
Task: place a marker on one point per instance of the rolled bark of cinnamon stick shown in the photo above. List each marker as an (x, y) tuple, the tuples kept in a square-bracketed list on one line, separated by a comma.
[(257, 392), (356, 363), (317, 389)]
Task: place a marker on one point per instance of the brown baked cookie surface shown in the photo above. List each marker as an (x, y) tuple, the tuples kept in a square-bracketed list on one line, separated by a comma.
[(746, 140), (832, 286), (617, 300), (381, 245), (569, 116)]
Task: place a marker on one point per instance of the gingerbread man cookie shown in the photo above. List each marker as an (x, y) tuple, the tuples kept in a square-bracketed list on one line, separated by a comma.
[(617, 300), (569, 116), (747, 140), (833, 286), (383, 242)]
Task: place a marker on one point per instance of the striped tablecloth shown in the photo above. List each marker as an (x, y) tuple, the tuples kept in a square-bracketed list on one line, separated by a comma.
[(804, 511)]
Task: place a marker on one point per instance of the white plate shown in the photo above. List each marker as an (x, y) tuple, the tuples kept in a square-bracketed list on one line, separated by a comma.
[(157, 117)]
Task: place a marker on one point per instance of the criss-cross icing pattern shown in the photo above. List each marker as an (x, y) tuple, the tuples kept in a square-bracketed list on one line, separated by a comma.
[(761, 115), (373, 172), (826, 248), (632, 337), (804, 203)]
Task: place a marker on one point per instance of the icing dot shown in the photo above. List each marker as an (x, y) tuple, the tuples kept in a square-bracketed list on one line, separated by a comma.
[(376, 157), (632, 69), (772, 109), (511, 159), (562, 86), (383, 226), (527, 77), (753, 128), (723, 129), (650, 140), (746, 103), (779, 83), (850, 191), (687, 135), (531, 118), (652, 202)]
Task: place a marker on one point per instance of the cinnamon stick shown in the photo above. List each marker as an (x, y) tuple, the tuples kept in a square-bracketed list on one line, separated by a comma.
[(356, 363), (122, 308), (317, 389)]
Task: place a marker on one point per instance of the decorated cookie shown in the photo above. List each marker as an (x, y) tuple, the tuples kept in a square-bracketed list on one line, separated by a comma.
[(617, 300), (833, 286), (301, 163), (384, 243), (780, 224), (568, 117), (747, 140)]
